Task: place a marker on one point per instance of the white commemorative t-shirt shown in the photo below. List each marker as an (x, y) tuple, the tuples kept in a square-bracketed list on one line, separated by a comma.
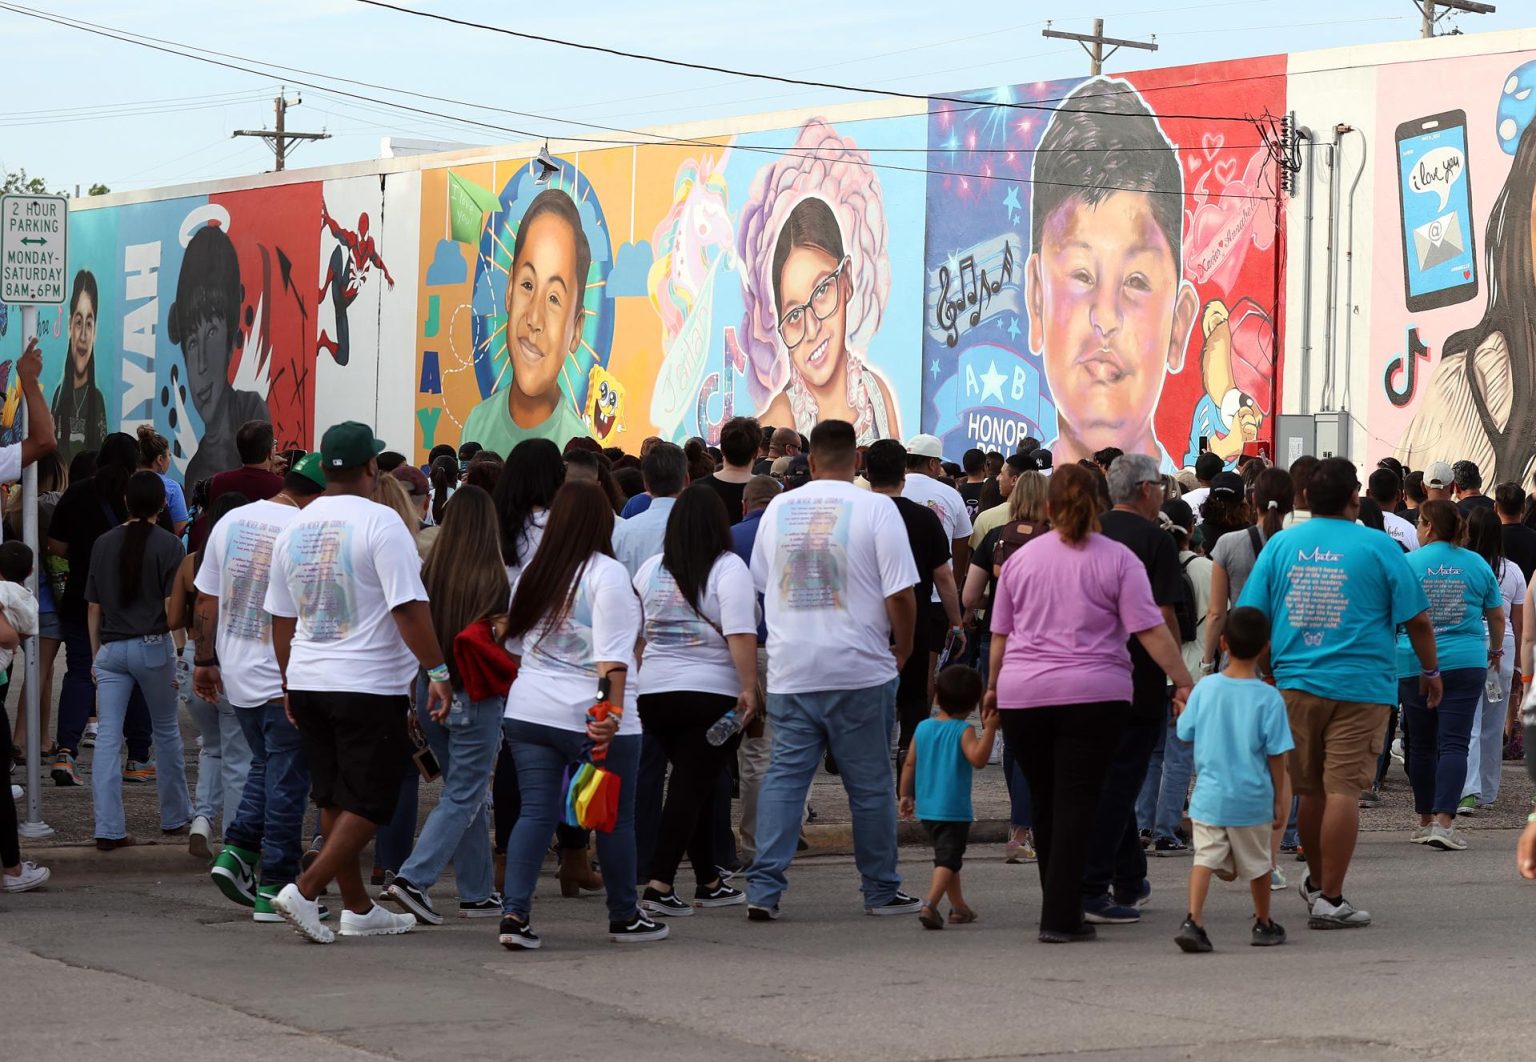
[(683, 649), (236, 569), (827, 556), (1406, 534), (945, 501), (341, 567), (557, 680)]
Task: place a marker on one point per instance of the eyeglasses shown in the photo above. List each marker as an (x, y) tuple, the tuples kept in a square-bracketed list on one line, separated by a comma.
[(823, 303)]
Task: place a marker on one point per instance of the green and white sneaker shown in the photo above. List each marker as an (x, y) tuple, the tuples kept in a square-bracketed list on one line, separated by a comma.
[(1468, 805), (264, 911), (234, 872)]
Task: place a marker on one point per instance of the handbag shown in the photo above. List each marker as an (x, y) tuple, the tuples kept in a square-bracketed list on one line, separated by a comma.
[(484, 664)]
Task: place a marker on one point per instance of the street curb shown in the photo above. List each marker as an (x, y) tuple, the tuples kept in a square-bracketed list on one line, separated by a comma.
[(83, 860)]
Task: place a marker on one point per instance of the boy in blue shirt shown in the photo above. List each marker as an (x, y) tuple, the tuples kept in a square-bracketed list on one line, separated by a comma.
[(944, 756), (1241, 735)]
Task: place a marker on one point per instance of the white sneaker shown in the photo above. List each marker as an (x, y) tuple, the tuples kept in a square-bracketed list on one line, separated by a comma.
[(1420, 835), (1445, 838), (1343, 916), (198, 837), (31, 877), (303, 915), (376, 923), (17, 792), (88, 739)]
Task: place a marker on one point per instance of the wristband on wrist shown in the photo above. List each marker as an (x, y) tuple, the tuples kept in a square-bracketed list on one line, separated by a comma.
[(1431, 672), (212, 661), (438, 673)]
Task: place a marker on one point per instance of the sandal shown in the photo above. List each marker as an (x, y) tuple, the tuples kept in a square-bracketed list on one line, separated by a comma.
[(962, 918), (930, 917)]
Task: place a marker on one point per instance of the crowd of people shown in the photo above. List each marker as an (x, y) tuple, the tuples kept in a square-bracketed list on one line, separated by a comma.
[(1221, 664)]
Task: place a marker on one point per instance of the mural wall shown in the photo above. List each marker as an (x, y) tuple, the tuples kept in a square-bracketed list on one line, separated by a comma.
[(1453, 312)]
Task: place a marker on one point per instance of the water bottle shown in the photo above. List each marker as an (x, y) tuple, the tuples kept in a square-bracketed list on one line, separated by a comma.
[(723, 728), (1494, 688)]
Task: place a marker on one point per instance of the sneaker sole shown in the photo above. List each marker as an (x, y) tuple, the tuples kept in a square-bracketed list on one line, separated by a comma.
[(391, 931), (659, 933), (729, 901), (489, 912), (1102, 920), (762, 914), (1192, 947), (1332, 923), (652, 907), (267, 918), (512, 942), (1169, 855), (424, 915), (1267, 943), (903, 909), (65, 780), (197, 847), (319, 935), (1443, 846), (232, 889)]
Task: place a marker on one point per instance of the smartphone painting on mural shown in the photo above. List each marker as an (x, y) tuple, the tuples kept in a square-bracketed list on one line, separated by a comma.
[(1439, 248)]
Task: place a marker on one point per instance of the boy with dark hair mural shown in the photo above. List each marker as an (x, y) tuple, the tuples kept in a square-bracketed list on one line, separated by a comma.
[(205, 323), (1110, 312)]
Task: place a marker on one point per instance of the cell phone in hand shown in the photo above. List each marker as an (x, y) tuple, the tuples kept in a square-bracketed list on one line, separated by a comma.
[(427, 764), (954, 642)]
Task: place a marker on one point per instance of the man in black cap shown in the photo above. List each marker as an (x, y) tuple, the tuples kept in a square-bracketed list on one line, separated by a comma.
[(350, 626)]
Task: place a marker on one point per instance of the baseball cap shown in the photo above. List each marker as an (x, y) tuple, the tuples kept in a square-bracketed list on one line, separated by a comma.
[(349, 445), (925, 446), (413, 479), (1439, 475), (1229, 483), (1040, 460), (308, 466)]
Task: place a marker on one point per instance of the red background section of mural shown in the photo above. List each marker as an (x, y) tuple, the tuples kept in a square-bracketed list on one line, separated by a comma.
[(276, 233)]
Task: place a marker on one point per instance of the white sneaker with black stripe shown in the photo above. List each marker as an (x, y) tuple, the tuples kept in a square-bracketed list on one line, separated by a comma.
[(638, 930)]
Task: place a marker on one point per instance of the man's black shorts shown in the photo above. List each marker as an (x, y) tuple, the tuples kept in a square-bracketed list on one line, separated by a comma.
[(949, 841), (358, 749)]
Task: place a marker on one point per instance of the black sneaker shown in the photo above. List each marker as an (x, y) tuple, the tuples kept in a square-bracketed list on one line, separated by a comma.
[(665, 903), (490, 907), (1192, 938), (900, 904), (1082, 933), (515, 935), (1267, 935), (759, 913), (638, 930), (413, 900), (722, 895), (1169, 846), (1146, 839)]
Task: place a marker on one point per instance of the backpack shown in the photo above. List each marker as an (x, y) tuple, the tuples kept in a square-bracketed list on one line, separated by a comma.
[(1184, 611), (1009, 538)]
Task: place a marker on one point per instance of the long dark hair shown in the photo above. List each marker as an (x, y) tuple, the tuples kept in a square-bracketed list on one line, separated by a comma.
[(464, 575), (1509, 313), (530, 480), (1485, 537), (698, 531), (145, 497), (1274, 495), (580, 525), (444, 477), (117, 461)]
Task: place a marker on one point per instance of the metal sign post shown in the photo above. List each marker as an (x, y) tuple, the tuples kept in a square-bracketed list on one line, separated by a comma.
[(34, 234)]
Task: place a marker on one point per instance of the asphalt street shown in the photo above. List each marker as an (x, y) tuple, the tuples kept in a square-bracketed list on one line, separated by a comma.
[(136, 966)]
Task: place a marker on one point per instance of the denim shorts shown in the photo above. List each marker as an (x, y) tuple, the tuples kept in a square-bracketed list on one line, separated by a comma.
[(48, 626)]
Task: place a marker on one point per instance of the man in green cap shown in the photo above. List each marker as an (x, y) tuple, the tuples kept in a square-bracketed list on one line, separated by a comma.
[(350, 626), (237, 670)]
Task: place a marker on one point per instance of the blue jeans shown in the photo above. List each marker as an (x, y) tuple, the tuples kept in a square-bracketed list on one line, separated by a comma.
[(224, 761), (119, 665), (271, 815), (1021, 809), (542, 753), (1160, 808), (465, 745), (856, 726), (1438, 739), (77, 698), (1485, 754)]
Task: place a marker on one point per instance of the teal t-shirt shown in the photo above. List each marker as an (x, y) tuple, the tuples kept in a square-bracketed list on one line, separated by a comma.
[(1461, 588), (491, 425), (1335, 593), (943, 783), (1236, 725)]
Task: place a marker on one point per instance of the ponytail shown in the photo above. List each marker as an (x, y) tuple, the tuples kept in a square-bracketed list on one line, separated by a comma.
[(445, 475), (1073, 504), (1274, 494), (145, 498)]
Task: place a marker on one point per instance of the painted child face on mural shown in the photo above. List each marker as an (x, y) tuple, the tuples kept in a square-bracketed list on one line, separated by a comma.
[(206, 349), (82, 336), (1110, 315), (811, 283), (544, 309)]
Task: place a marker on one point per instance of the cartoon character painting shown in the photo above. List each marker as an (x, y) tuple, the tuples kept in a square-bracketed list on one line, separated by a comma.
[(605, 402), (1236, 365), (352, 259)]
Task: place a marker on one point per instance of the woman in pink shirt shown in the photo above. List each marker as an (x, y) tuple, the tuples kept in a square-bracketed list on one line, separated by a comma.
[(1066, 605)]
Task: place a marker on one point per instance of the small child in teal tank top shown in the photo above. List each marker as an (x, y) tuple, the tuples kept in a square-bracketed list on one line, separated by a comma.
[(943, 758)]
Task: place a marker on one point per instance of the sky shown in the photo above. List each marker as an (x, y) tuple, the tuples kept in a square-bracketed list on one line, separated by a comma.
[(78, 109)]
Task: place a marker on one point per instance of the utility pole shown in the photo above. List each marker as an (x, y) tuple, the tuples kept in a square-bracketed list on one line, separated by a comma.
[(278, 139), (1431, 16), (1096, 54)]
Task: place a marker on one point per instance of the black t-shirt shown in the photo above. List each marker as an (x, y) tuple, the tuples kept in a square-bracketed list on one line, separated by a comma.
[(1474, 501), (763, 467), (80, 518), (970, 493), (143, 613), (1155, 549), (930, 549), (1520, 547), (730, 493)]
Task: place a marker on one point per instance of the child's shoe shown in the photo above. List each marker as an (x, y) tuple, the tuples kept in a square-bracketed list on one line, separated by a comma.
[(1267, 934), (1192, 938)]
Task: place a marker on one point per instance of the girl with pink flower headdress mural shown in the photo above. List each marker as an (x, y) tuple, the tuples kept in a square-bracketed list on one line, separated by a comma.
[(812, 243)]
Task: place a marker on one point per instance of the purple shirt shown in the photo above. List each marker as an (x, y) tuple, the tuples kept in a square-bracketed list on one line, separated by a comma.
[(1068, 612)]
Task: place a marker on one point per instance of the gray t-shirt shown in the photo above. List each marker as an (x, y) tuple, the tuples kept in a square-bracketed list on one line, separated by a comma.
[(144, 613), (1236, 555)]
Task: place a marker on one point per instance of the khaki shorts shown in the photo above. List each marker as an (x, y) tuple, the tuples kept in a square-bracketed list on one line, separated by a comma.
[(1337, 743), (1233, 852)]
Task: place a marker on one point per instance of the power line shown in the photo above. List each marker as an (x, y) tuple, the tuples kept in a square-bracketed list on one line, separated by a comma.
[(172, 48)]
